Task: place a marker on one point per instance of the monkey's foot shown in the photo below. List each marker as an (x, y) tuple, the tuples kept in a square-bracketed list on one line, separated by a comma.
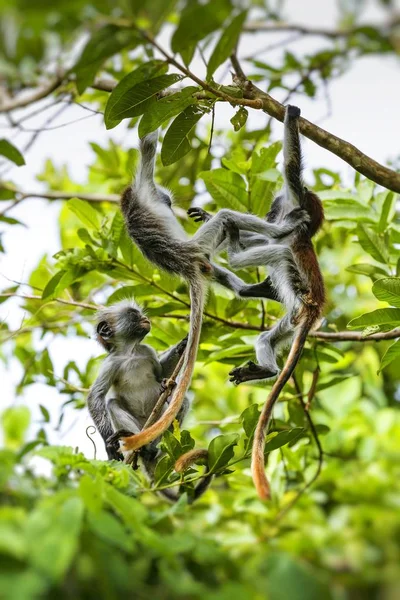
[(198, 214), (250, 372), (293, 111), (113, 440)]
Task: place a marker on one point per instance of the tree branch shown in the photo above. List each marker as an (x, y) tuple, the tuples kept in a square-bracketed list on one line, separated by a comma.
[(339, 336), (38, 94), (262, 26)]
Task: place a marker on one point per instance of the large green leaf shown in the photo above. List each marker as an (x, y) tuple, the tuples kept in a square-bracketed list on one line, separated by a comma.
[(290, 578), (165, 109), (86, 213), (388, 210), (387, 289), (227, 188), (391, 354), (226, 44), (372, 271), (277, 440), (372, 243), (221, 450), (348, 210), (175, 143), (105, 42), (8, 150), (197, 21), (146, 71), (137, 99), (389, 317)]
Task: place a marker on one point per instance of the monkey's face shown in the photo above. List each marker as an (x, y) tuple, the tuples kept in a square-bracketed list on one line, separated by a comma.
[(121, 323), (132, 324)]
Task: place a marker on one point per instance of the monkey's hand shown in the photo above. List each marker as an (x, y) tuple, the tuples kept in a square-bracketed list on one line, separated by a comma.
[(293, 112), (113, 440), (199, 214), (250, 372), (298, 216), (167, 385)]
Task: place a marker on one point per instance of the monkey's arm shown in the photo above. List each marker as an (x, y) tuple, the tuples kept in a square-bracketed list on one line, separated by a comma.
[(96, 402), (169, 359), (292, 166)]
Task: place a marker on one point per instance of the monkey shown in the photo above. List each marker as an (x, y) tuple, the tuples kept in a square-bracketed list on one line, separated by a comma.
[(130, 382), (294, 275), (152, 225), (131, 377)]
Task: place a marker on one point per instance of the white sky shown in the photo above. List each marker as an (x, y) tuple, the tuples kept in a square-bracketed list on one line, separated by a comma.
[(365, 109)]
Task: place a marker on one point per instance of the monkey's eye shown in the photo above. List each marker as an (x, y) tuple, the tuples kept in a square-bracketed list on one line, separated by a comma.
[(104, 330), (165, 198)]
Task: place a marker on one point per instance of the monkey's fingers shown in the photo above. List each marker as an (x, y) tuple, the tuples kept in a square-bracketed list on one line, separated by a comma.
[(117, 435), (198, 214), (251, 372)]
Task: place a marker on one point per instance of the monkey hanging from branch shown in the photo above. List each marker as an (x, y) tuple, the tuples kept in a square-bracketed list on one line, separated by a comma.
[(129, 385), (154, 228), (294, 279)]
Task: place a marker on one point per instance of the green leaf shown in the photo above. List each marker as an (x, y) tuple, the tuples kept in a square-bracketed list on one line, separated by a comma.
[(6, 194), (52, 284), (86, 213), (227, 188), (372, 244), (171, 445), (387, 213), (45, 413), (166, 108), (249, 419), (108, 528), (387, 289), (138, 98), (277, 440), (369, 270), (105, 42), (239, 118), (390, 355), (289, 578), (142, 73), (8, 150), (175, 143), (348, 210), (57, 525), (226, 44), (389, 317), (197, 21), (221, 450), (15, 421)]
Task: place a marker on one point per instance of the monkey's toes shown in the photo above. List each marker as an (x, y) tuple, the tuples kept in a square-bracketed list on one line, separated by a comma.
[(293, 111), (167, 384)]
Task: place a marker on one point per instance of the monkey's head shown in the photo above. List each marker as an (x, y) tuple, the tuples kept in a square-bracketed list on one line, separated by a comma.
[(120, 324)]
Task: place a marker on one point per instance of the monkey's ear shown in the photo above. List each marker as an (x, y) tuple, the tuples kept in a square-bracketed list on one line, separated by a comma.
[(104, 330)]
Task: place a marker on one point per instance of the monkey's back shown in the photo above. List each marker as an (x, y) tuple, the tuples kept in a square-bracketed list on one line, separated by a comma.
[(157, 238)]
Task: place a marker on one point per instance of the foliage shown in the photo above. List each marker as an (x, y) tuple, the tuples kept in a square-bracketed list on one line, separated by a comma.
[(73, 526)]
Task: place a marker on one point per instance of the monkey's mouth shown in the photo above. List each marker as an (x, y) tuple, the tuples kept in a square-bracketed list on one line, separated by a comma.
[(145, 323)]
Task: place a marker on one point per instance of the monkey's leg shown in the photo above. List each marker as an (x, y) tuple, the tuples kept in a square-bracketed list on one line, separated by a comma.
[(122, 421), (209, 235), (265, 289), (266, 350), (280, 257)]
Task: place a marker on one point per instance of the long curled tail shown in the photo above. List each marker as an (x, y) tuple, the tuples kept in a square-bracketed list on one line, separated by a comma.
[(187, 460), (257, 458), (197, 299)]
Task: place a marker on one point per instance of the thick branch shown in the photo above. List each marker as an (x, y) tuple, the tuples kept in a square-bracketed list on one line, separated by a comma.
[(344, 150)]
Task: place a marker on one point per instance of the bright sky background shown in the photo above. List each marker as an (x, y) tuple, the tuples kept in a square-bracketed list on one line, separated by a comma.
[(365, 111)]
